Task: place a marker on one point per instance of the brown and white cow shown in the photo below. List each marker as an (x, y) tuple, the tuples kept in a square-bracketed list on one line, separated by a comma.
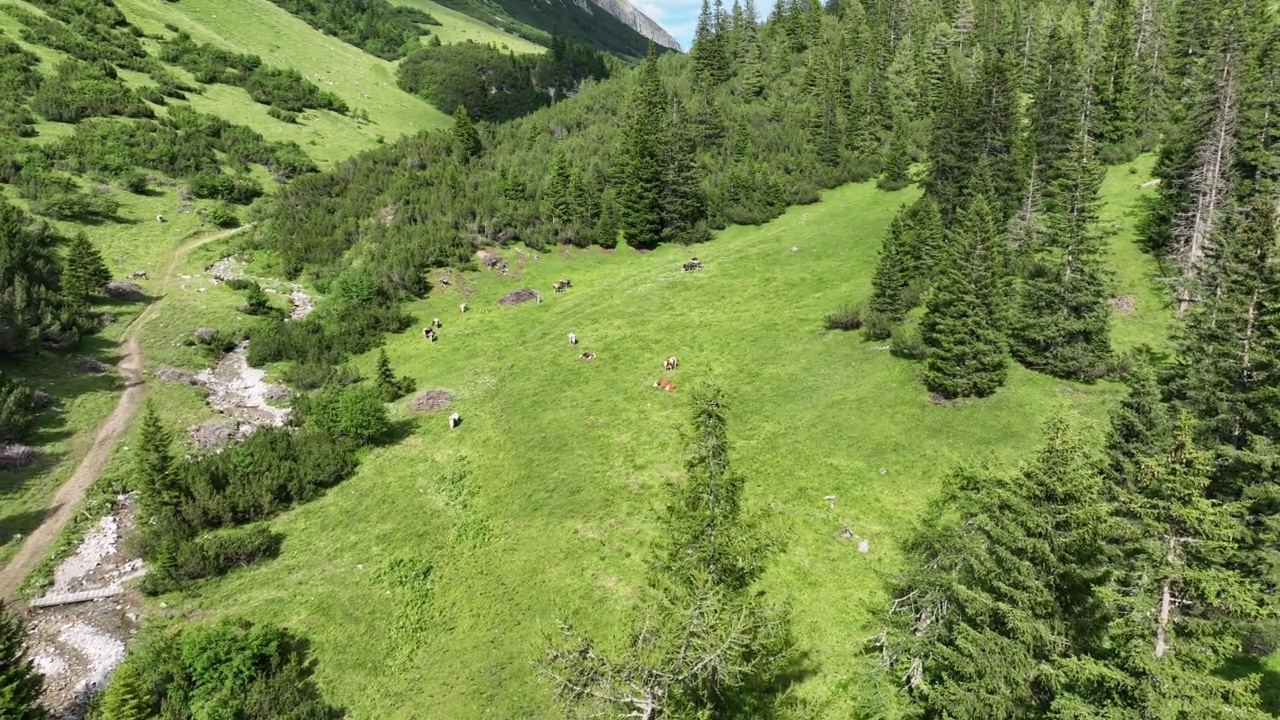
[(665, 385), (670, 363)]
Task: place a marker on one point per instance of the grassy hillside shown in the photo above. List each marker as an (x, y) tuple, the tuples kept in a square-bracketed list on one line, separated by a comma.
[(261, 28), (542, 502), (456, 27), (538, 20)]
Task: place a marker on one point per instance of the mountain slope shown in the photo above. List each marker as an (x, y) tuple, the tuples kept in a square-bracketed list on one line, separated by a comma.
[(613, 26), (638, 21)]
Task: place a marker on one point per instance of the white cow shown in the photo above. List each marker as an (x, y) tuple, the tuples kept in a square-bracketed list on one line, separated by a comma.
[(573, 339), (454, 420), (670, 363), (462, 307)]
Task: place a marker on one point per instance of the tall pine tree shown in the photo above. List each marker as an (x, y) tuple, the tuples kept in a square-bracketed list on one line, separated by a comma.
[(1175, 605), (706, 645), (967, 348), (684, 201), (20, 684), (997, 585), (557, 203), (1116, 102), (641, 173), (84, 273), (466, 140), (891, 282), (1064, 319)]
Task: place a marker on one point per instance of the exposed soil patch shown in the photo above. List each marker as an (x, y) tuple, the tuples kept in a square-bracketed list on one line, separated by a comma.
[(515, 297), (430, 400)]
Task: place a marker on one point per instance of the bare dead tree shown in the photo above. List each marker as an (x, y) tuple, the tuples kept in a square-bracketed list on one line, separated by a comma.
[(1210, 182)]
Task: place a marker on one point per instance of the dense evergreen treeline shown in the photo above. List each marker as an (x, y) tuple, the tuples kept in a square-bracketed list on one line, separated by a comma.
[(494, 86), (375, 26), (719, 152)]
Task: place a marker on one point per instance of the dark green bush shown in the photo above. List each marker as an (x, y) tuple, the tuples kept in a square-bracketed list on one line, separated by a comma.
[(906, 342), (845, 317)]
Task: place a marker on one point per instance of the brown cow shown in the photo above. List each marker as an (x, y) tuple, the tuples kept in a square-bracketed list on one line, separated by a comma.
[(665, 385)]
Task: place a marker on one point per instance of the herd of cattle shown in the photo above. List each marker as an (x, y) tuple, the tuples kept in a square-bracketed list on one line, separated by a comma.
[(559, 286)]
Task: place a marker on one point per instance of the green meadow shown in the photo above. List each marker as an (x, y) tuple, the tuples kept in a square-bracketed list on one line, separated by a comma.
[(542, 503)]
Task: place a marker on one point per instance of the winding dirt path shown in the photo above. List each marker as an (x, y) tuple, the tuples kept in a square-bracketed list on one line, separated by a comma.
[(67, 499)]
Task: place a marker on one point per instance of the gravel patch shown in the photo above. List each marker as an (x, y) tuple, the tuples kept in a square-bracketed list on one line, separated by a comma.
[(515, 297), (240, 391)]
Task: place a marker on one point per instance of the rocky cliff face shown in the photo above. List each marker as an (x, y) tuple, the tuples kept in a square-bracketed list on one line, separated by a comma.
[(637, 21)]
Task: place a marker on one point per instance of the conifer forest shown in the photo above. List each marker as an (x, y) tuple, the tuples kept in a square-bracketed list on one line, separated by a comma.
[(922, 362)]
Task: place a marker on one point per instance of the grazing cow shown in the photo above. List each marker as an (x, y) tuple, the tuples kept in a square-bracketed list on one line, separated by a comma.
[(462, 307), (429, 333), (562, 285), (665, 385), (454, 420), (573, 339), (142, 274), (435, 323), (588, 355), (159, 218), (670, 363)]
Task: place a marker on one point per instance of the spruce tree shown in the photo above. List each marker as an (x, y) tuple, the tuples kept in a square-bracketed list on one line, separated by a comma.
[(710, 65), (750, 61), (1057, 109), (466, 140), (1140, 426), (998, 584), (998, 130), (640, 168), (1175, 605), (891, 282), (684, 203), (1257, 156), (897, 164), (930, 239), (584, 198), (385, 377), (705, 644), (153, 459), (1064, 319), (1115, 80), (512, 186), (967, 349), (84, 274), (1228, 377), (953, 150), (125, 697), (20, 684), (557, 203)]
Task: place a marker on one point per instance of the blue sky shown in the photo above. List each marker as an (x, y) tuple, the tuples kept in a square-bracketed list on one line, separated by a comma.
[(679, 17)]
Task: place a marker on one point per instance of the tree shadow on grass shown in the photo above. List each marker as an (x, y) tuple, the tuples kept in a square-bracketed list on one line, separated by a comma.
[(1269, 685), (21, 524)]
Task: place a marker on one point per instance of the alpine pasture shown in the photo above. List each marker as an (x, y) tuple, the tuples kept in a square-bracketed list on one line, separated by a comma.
[(541, 504)]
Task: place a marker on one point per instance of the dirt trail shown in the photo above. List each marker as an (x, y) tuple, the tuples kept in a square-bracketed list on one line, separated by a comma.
[(64, 503)]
